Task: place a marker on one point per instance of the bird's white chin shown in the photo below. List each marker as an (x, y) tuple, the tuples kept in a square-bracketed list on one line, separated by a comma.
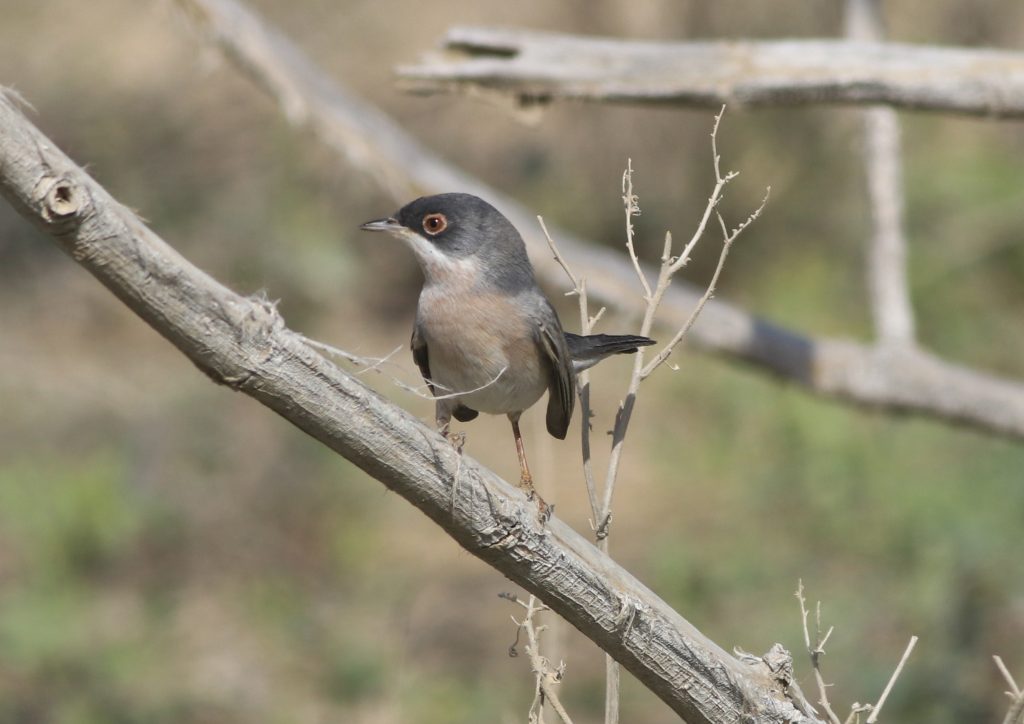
[(437, 265)]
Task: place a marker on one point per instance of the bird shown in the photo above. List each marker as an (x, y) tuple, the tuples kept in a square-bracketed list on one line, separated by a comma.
[(485, 337)]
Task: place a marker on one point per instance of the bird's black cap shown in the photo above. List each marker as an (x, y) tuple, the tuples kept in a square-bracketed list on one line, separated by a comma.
[(462, 226)]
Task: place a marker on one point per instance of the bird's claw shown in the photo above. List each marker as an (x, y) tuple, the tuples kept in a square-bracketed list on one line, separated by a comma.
[(544, 511), (457, 440)]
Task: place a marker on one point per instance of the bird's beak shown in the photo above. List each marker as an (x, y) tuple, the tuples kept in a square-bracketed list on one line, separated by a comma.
[(388, 224)]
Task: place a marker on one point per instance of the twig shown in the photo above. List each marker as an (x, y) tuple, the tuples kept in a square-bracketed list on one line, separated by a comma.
[(855, 711), (816, 651), (1014, 691), (579, 288), (728, 238), (631, 204), (370, 364), (599, 518), (1015, 714), (375, 363), (547, 677), (873, 717), (670, 265)]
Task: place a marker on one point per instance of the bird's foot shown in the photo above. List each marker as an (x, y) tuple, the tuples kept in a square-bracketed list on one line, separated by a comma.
[(456, 439), (544, 511)]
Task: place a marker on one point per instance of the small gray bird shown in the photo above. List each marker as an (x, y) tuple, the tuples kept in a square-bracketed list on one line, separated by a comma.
[(486, 339)]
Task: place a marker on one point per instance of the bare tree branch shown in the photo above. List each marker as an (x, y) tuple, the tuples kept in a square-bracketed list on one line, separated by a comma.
[(888, 283), (906, 380), (539, 66), (242, 342)]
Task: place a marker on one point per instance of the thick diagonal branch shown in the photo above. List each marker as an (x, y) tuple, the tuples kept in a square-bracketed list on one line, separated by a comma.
[(907, 380), (537, 66), (242, 342)]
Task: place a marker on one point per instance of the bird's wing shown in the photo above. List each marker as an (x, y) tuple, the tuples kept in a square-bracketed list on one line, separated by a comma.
[(419, 356), (422, 360), (562, 379)]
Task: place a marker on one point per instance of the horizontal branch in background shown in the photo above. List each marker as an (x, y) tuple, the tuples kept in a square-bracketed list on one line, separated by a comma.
[(906, 380), (538, 66), (242, 342)]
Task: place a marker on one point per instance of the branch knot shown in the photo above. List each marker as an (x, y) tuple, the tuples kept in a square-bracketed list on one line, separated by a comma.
[(61, 200)]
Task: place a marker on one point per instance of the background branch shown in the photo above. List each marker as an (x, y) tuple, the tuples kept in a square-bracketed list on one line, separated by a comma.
[(242, 342), (539, 66), (906, 380), (888, 284)]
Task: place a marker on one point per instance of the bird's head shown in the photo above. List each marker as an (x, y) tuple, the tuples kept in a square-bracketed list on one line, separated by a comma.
[(460, 233)]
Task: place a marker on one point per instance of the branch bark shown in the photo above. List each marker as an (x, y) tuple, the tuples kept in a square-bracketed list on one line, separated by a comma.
[(242, 342), (904, 380), (539, 67)]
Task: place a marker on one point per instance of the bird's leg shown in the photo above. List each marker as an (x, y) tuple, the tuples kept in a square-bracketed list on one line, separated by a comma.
[(525, 479), (443, 417)]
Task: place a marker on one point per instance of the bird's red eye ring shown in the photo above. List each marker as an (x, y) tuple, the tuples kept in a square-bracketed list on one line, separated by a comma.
[(434, 224)]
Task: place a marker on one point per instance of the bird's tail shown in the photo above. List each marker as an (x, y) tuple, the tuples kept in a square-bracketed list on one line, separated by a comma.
[(587, 351)]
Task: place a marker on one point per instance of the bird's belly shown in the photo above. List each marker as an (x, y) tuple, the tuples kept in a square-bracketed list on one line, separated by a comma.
[(487, 360), (492, 384)]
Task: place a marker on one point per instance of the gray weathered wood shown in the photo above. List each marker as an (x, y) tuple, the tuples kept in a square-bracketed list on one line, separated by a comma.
[(905, 380), (538, 66), (242, 342)]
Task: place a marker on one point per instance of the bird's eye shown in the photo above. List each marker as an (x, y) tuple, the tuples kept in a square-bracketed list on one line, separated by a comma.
[(434, 224)]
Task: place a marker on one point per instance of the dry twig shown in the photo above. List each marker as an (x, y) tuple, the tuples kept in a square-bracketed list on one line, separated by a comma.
[(1014, 691), (600, 518), (1015, 714), (877, 708), (601, 501), (547, 677), (670, 265), (816, 651), (374, 364)]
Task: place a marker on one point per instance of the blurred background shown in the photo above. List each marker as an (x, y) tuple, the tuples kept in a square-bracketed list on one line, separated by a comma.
[(172, 552)]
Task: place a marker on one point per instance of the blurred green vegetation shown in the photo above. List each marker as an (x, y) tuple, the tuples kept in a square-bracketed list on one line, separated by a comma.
[(169, 551)]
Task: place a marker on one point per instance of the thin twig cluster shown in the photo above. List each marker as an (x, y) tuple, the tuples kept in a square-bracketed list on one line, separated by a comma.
[(671, 263), (817, 650), (547, 677)]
